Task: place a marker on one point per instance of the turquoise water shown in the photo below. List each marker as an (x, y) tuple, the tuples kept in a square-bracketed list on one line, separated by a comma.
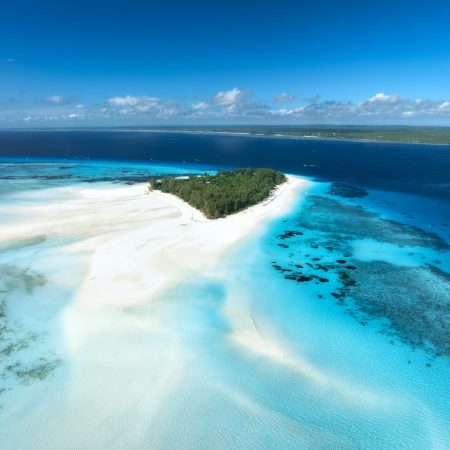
[(309, 375), (244, 355), (38, 173), (366, 388)]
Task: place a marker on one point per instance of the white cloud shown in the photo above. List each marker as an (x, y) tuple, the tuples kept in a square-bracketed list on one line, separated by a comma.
[(236, 104), (284, 97), (122, 101), (383, 98), (381, 107), (130, 100), (144, 106), (58, 100), (200, 106), (231, 97)]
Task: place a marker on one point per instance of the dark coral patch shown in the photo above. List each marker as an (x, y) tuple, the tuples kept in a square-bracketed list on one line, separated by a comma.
[(347, 191), (300, 278), (289, 234)]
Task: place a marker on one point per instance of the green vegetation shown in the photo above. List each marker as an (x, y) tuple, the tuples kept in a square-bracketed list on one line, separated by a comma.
[(387, 133), (395, 133), (224, 193)]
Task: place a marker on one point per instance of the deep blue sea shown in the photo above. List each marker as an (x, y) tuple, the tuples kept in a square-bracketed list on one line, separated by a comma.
[(412, 168), (341, 305)]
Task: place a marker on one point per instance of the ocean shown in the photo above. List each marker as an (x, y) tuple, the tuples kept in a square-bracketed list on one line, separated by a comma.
[(328, 328)]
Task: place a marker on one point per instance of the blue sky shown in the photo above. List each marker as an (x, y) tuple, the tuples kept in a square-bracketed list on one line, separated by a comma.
[(186, 62)]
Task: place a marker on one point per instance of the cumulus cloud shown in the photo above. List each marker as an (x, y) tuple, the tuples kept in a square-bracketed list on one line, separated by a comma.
[(381, 98), (142, 105), (231, 103), (58, 100), (201, 106), (236, 104), (445, 106), (380, 107), (228, 98), (284, 97), (129, 100)]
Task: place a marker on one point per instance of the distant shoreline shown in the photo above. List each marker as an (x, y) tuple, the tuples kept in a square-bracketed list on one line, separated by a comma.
[(281, 136), (226, 133)]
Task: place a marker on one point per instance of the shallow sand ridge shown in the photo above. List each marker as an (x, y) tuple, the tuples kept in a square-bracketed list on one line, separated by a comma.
[(109, 250), (134, 322), (129, 266), (138, 240)]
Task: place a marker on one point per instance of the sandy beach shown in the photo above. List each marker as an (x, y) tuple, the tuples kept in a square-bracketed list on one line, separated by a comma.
[(136, 242), (106, 252), (129, 320)]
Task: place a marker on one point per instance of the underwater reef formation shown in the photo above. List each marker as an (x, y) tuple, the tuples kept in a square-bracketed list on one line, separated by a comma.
[(413, 302), (331, 216), (347, 191), (23, 359)]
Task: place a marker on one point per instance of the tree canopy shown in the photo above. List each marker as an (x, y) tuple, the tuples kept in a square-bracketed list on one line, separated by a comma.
[(224, 193)]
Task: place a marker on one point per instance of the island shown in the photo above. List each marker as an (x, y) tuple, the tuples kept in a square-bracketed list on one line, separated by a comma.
[(371, 133), (224, 193)]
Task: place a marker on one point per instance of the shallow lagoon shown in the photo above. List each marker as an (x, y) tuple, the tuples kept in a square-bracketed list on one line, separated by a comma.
[(240, 356)]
